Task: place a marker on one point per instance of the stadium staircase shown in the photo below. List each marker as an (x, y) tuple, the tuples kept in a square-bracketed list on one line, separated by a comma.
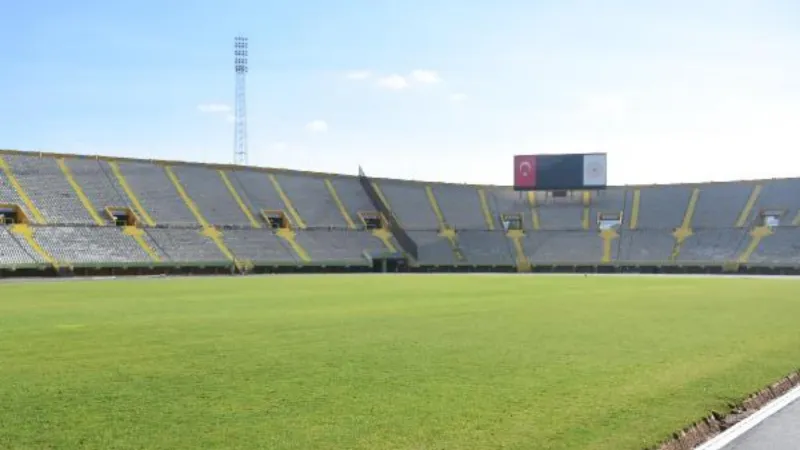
[(608, 236), (137, 205), (138, 235), (521, 261), (487, 214), (235, 194), (209, 231), (288, 234), (445, 230), (534, 210), (26, 232), (336, 199), (407, 245), (757, 235), (685, 230), (637, 201), (741, 222), (87, 204), (32, 209)]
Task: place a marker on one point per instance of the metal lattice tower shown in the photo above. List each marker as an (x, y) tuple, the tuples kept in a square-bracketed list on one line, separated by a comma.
[(240, 118)]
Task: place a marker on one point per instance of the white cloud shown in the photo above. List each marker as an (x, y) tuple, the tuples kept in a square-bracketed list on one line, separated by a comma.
[(317, 126), (358, 75), (213, 108), (458, 97), (393, 82), (426, 76)]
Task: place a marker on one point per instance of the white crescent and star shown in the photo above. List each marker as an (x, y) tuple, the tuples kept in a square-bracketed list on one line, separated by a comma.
[(522, 168)]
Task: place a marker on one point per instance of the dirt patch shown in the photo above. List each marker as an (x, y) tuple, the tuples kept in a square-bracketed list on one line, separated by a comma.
[(705, 429)]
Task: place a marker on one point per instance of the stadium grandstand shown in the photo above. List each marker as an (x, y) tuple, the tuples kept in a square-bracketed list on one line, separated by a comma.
[(71, 214)]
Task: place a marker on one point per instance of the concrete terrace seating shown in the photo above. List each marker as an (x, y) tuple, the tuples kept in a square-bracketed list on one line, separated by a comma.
[(486, 247), (612, 200), (209, 193), (561, 213), (186, 245), (11, 251), (717, 245), (663, 207), (410, 204), (98, 183), (312, 200), (432, 248), (545, 247), (89, 245), (352, 196), (259, 191), (720, 204), (460, 206), (783, 246), (156, 193), (504, 200), (9, 196), (45, 184), (258, 245), (778, 195), (339, 245), (645, 246)]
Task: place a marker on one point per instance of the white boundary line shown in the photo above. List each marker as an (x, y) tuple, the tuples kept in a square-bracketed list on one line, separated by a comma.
[(735, 432)]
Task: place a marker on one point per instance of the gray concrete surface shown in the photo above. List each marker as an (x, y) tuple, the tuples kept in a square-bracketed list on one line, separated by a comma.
[(780, 431)]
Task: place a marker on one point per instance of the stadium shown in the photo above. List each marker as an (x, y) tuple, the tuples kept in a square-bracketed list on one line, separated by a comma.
[(403, 361)]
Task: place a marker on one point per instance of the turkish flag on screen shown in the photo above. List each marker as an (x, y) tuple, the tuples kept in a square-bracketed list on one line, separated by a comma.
[(525, 171)]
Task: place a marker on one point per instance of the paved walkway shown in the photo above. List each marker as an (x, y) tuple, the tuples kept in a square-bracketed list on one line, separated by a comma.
[(780, 431)]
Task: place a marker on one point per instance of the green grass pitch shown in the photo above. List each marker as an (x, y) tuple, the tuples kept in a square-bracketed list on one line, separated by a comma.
[(384, 362)]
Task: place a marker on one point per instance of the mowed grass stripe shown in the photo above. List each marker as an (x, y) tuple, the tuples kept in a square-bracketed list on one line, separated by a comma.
[(409, 362)]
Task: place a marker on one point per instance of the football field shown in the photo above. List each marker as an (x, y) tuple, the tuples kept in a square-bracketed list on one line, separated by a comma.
[(384, 362)]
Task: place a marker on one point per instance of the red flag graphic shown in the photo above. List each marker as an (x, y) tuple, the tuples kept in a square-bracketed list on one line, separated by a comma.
[(524, 171)]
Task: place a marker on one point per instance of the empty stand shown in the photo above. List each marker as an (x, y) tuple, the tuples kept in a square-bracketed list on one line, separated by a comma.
[(312, 200), (609, 201), (777, 195), (13, 252), (504, 200), (260, 192), (486, 247), (339, 245), (77, 245), (460, 206), (352, 195), (432, 248), (45, 184), (259, 245), (571, 247), (783, 246), (98, 184), (410, 204), (186, 245), (206, 189), (714, 245), (720, 204), (663, 207), (156, 193), (645, 246)]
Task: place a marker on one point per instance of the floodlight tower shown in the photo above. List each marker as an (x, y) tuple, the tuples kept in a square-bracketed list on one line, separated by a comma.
[(240, 118)]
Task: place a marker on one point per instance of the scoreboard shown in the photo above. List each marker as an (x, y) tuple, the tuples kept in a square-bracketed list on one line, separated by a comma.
[(584, 171)]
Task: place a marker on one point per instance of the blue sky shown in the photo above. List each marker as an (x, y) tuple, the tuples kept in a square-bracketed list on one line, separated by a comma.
[(437, 90)]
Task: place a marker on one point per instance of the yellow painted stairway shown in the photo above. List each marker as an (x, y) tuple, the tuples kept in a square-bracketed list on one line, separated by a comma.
[(138, 235), (32, 209), (487, 215), (238, 199), (522, 262), (139, 209), (26, 232), (445, 230), (290, 238), (757, 235), (339, 204), (87, 204), (685, 230), (608, 236)]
